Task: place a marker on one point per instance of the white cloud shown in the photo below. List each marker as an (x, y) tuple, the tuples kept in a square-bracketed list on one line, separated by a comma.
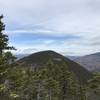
[(56, 17)]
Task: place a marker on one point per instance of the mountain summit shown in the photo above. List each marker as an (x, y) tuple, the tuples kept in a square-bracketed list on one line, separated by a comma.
[(40, 58)]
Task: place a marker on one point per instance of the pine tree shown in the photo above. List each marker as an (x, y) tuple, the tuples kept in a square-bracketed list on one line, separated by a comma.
[(68, 83), (51, 84), (94, 84), (3, 58), (3, 38), (3, 46)]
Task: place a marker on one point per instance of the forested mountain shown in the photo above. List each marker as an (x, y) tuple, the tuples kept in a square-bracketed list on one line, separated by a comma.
[(40, 58)]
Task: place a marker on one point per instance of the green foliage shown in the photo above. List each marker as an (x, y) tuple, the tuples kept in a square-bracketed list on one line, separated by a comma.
[(94, 83)]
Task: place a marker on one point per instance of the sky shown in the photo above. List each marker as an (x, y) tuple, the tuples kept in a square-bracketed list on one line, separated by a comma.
[(70, 27)]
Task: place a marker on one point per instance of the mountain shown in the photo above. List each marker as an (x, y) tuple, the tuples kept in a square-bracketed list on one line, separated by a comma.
[(41, 58), (90, 62), (72, 57)]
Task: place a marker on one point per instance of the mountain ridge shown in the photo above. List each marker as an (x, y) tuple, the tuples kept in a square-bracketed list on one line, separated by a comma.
[(90, 62)]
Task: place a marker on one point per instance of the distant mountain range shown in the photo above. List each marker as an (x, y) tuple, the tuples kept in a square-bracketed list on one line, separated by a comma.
[(40, 58), (90, 62), (19, 56), (72, 57)]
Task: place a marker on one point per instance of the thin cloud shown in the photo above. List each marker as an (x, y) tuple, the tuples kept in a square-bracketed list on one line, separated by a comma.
[(54, 18)]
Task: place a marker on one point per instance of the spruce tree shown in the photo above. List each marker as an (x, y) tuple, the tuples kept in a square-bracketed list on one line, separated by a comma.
[(94, 84), (3, 38), (3, 58)]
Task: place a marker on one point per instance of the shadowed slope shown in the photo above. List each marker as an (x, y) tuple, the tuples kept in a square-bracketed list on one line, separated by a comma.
[(90, 62)]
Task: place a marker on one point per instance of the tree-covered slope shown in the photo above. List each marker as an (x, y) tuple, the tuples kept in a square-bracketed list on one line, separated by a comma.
[(40, 58)]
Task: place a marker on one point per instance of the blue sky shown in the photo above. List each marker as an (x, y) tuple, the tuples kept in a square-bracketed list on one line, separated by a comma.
[(70, 27)]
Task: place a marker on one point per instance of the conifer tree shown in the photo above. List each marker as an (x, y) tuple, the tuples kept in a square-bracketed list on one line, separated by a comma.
[(94, 83), (68, 82), (3, 57), (51, 84), (3, 38)]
